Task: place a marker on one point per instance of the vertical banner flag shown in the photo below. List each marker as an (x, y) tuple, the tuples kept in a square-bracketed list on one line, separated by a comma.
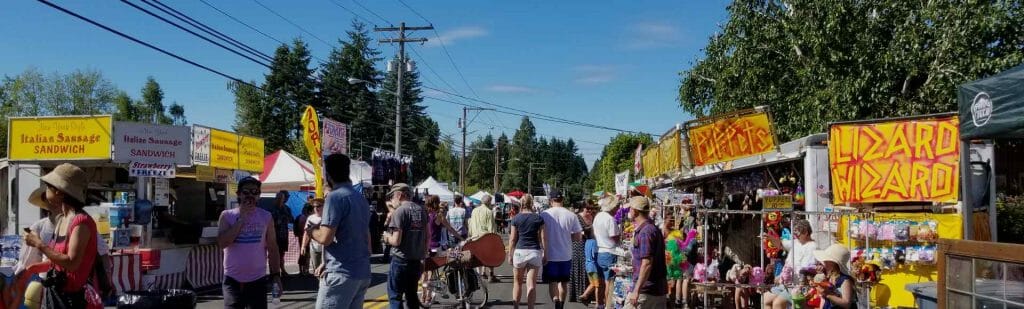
[(622, 183), (895, 161), (638, 158), (311, 137), (335, 137)]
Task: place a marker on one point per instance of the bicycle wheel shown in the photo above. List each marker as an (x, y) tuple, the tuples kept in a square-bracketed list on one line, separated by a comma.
[(476, 298)]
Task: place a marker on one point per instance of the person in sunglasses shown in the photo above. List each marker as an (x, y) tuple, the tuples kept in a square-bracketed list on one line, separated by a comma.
[(246, 232)]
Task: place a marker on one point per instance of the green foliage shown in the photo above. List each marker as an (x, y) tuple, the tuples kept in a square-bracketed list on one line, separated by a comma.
[(420, 133), (815, 62), (1010, 210), (152, 108), (480, 163), (446, 165), (617, 157), (354, 104), (555, 162)]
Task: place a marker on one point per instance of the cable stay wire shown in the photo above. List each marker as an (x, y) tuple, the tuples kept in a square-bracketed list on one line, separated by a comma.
[(150, 13), (205, 28), (292, 23)]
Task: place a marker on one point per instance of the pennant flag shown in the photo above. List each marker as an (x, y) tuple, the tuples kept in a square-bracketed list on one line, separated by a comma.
[(638, 158), (311, 137)]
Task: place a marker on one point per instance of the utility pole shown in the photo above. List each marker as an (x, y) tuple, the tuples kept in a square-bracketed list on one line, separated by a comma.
[(401, 40), (529, 176), (497, 165), (463, 123)]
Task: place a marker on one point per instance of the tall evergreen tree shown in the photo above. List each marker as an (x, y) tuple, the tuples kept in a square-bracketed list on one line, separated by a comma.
[(289, 87), (521, 154), (419, 132), (354, 103), (480, 163), (153, 103), (446, 166)]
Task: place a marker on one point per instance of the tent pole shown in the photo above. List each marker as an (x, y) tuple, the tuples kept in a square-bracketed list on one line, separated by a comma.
[(966, 211)]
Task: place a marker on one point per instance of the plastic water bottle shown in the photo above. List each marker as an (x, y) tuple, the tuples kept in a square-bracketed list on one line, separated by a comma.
[(275, 295)]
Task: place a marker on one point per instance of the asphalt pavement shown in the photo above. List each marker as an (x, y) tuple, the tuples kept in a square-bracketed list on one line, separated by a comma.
[(300, 291)]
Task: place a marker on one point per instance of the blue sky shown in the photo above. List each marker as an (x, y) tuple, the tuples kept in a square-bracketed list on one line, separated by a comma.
[(614, 64)]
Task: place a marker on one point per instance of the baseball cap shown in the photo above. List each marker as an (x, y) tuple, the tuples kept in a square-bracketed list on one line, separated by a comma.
[(640, 203), (555, 193), (398, 187), (249, 180)]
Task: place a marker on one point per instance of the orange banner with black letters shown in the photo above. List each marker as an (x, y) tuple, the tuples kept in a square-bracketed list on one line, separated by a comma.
[(731, 138), (895, 161)]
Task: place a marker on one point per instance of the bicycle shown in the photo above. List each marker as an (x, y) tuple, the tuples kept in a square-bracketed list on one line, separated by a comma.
[(452, 274)]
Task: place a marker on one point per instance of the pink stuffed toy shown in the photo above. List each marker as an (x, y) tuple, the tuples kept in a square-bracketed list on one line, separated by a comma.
[(700, 272), (787, 275), (757, 276)]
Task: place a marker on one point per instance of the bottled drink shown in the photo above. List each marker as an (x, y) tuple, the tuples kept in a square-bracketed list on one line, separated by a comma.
[(275, 295)]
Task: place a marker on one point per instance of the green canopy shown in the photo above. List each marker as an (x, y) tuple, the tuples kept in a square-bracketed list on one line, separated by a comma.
[(993, 107)]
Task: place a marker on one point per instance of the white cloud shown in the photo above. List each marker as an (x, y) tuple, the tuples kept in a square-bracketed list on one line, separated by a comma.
[(595, 74), (650, 35), (511, 89), (451, 36)]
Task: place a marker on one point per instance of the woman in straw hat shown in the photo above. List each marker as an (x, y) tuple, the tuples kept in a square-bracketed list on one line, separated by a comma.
[(73, 250), (842, 293)]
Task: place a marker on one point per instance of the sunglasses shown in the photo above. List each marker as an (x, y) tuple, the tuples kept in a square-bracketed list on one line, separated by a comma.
[(248, 192)]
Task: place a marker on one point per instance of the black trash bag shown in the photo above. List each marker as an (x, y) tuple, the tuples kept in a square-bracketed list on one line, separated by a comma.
[(169, 299)]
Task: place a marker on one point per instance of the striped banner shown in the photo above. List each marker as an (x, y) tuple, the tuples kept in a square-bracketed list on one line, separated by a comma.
[(291, 257), (168, 281), (205, 266), (126, 273)]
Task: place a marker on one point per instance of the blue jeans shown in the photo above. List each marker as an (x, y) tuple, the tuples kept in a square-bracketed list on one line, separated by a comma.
[(339, 291), (604, 265), (403, 279)]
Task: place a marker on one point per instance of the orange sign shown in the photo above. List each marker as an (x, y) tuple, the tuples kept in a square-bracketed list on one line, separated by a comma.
[(731, 138), (896, 161)]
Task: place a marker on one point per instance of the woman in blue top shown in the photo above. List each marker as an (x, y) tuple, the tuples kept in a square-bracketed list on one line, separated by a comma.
[(528, 246), (843, 293)]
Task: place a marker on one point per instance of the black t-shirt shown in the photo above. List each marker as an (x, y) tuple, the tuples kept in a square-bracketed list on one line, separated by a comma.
[(528, 227)]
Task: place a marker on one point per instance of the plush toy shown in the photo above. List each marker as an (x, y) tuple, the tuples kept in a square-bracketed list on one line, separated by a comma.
[(690, 248), (700, 273), (868, 271), (674, 257), (800, 197), (733, 274), (757, 275), (786, 277), (770, 247), (814, 299), (713, 273)]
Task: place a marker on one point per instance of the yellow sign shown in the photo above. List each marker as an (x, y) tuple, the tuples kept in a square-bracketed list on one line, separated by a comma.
[(651, 160), (59, 138), (314, 144), (223, 149), (896, 161), (669, 151), (778, 202), (250, 154), (730, 138), (205, 173)]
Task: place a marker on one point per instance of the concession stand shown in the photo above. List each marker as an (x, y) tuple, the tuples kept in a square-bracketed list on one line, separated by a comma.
[(152, 201)]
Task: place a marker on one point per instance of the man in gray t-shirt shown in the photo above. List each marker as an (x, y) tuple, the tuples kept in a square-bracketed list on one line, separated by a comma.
[(407, 235)]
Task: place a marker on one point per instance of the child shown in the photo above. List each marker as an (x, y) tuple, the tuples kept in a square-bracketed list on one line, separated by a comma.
[(590, 264)]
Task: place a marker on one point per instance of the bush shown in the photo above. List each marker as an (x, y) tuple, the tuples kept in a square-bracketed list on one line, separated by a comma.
[(1010, 218)]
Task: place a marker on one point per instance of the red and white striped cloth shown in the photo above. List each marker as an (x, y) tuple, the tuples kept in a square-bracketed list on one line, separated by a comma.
[(126, 273), (205, 266), (168, 281), (291, 257)]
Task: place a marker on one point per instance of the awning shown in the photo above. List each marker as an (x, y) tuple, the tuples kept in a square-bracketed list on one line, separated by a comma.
[(993, 107)]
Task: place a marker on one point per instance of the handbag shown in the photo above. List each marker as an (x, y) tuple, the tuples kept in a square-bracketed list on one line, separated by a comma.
[(53, 297)]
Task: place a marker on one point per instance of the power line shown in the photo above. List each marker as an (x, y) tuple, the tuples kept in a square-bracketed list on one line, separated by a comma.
[(150, 13), (222, 12), (352, 12), (293, 23), (207, 29), (372, 12), (444, 48)]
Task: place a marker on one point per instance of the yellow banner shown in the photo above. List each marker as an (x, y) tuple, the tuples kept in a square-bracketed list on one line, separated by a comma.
[(731, 138), (651, 160), (223, 149), (59, 138), (311, 137), (205, 173), (896, 161), (669, 150), (250, 154)]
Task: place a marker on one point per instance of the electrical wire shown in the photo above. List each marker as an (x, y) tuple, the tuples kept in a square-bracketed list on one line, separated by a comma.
[(228, 15), (205, 28), (291, 22), (372, 12)]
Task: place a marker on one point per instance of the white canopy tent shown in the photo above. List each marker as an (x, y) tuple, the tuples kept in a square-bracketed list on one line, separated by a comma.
[(284, 171), (432, 187)]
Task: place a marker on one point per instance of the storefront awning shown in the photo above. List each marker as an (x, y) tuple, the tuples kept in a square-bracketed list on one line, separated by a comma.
[(993, 107)]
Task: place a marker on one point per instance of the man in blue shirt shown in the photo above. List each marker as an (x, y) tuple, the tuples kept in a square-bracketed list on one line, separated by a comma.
[(345, 234)]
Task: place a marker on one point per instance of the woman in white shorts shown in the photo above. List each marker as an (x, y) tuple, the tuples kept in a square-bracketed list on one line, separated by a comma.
[(527, 240)]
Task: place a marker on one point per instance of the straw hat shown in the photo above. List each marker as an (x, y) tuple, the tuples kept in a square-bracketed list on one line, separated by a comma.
[(608, 203), (640, 203), (835, 253), (67, 178)]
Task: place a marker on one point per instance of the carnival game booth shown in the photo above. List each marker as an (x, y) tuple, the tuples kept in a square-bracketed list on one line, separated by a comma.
[(150, 204)]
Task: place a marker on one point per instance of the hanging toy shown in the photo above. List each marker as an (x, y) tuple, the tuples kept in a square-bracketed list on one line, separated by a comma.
[(733, 274), (674, 258), (855, 231), (900, 254), (787, 275), (713, 273), (770, 248), (700, 273), (757, 275), (902, 232), (800, 198)]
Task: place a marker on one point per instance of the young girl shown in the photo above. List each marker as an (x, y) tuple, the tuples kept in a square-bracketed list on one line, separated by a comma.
[(843, 293)]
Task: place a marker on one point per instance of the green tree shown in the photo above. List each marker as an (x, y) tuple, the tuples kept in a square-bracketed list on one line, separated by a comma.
[(521, 154), (177, 113), (153, 103), (815, 62), (480, 163), (354, 103), (126, 108), (616, 157), (420, 133), (274, 113), (446, 166)]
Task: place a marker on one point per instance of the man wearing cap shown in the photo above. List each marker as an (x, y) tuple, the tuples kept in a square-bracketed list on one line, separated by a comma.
[(246, 234), (407, 235), (606, 234), (344, 232), (481, 223), (650, 281), (561, 227)]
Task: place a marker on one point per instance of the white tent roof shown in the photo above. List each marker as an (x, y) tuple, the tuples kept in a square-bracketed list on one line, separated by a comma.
[(480, 195), (284, 171), (434, 188)]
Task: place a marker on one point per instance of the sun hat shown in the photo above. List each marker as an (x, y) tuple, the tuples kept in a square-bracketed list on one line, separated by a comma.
[(608, 203), (640, 203), (67, 178), (835, 253), (398, 187)]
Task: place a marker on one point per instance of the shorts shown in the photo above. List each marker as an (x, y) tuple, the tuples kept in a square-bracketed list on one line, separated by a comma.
[(604, 265), (527, 258), (557, 272)]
